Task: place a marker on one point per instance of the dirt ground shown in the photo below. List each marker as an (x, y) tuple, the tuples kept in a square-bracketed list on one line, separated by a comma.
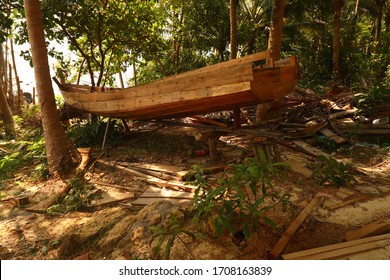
[(120, 230)]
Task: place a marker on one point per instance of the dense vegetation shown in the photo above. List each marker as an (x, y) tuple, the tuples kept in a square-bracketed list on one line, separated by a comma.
[(163, 37)]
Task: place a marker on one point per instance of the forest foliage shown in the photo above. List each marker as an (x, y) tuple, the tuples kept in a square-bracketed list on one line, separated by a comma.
[(157, 38), (164, 37)]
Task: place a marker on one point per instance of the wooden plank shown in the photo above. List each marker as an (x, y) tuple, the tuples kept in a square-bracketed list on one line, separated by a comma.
[(342, 249), (107, 103), (281, 244), (159, 167), (152, 195), (375, 131), (342, 114), (331, 135), (111, 196), (308, 131), (348, 202), (372, 229), (134, 172), (115, 186), (310, 149), (209, 121), (172, 184)]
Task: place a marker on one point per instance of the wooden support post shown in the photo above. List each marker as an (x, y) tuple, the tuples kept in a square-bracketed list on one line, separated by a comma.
[(268, 147), (106, 134), (33, 96), (125, 126), (213, 148), (237, 118)]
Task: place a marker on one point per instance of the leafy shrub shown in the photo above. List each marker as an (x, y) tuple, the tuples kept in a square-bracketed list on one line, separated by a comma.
[(331, 172), (241, 197), (368, 102), (79, 197), (167, 235), (92, 133), (31, 151)]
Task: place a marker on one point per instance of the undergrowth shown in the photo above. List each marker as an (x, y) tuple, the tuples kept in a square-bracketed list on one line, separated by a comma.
[(24, 153), (92, 133), (79, 197), (328, 171), (242, 197)]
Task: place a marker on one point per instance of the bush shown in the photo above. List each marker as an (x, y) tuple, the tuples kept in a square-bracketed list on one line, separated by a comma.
[(241, 197), (328, 171), (92, 133)]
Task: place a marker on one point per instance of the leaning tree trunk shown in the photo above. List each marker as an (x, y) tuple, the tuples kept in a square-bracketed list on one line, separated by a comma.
[(61, 155)]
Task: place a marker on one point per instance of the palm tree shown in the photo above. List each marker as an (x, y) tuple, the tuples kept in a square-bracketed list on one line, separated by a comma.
[(276, 27), (233, 29), (273, 109), (61, 155)]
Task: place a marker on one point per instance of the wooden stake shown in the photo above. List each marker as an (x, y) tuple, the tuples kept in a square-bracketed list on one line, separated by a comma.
[(106, 133), (213, 148), (237, 118)]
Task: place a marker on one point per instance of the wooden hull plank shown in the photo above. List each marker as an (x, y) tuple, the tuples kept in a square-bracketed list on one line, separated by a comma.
[(218, 87)]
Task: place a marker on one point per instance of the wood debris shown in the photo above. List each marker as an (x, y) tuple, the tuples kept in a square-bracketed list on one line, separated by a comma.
[(372, 229), (340, 250), (152, 195)]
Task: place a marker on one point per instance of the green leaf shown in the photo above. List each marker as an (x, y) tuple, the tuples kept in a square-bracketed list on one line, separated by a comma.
[(247, 230)]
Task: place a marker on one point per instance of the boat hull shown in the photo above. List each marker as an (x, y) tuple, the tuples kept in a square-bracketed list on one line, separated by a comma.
[(214, 88)]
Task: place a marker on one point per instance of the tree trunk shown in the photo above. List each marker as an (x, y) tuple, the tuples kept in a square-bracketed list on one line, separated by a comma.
[(11, 97), (276, 28), (233, 29), (273, 110), (20, 97), (61, 155), (337, 7), (378, 29), (4, 69), (5, 110)]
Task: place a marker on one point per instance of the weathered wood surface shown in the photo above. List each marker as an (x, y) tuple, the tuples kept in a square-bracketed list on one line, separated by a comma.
[(331, 135), (372, 229), (223, 86), (152, 195), (340, 250)]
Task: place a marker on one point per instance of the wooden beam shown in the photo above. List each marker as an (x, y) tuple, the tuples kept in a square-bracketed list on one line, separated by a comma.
[(331, 135), (281, 244), (375, 228), (336, 251), (237, 118)]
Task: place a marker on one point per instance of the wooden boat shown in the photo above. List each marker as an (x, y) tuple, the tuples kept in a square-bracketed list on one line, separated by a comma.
[(228, 85)]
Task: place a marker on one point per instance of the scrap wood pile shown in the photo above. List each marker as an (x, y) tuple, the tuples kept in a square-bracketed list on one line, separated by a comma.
[(335, 116)]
